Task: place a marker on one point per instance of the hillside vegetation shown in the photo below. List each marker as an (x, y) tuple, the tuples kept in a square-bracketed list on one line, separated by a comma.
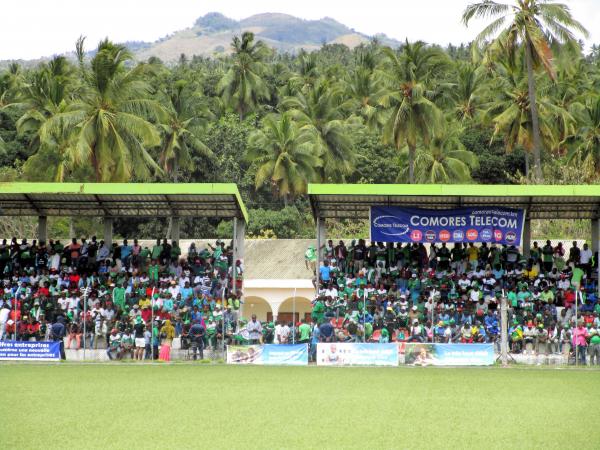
[(502, 110)]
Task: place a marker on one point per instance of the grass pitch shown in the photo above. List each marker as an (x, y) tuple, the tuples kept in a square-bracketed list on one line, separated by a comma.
[(125, 406)]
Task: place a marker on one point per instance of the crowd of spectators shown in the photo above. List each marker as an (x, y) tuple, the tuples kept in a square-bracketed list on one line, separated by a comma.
[(385, 292), (130, 299)]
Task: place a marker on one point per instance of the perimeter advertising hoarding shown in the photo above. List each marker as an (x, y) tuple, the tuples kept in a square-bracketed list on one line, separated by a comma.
[(32, 351), (428, 354), (349, 354), (474, 224), (269, 354)]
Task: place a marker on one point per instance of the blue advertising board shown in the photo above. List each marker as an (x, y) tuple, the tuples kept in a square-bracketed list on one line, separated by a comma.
[(474, 224), (288, 355), (32, 351), (268, 354), (350, 354), (427, 354)]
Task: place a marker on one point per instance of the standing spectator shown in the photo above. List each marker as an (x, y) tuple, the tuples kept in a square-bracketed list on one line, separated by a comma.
[(585, 260), (547, 256), (197, 333), (254, 329), (594, 347), (167, 334), (4, 313), (57, 334), (580, 335), (574, 254), (304, 332)]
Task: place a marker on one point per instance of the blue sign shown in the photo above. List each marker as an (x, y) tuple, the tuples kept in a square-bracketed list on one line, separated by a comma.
[(268, 354), (286, 355), (427, 354), (348, 354), (473, 224), (33, 351)]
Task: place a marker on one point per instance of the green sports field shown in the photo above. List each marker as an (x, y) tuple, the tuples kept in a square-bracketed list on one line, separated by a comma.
[(174, 406)]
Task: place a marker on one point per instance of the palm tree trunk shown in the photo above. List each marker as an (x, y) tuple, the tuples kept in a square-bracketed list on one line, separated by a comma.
[(170, 226), (535, 121), (411, 163)]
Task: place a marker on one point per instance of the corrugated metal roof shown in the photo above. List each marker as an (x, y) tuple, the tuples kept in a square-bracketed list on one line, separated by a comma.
[(122, 200), (541, 202)]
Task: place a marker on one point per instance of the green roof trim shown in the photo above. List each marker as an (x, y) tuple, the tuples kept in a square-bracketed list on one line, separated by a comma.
[(452, 190), (544, 202), (126, 189)]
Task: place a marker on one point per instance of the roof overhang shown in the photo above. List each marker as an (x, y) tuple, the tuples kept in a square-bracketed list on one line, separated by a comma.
[(344, 201), (144, 200)]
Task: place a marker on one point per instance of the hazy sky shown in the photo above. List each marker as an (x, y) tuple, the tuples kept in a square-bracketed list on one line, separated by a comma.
[(35, 28)]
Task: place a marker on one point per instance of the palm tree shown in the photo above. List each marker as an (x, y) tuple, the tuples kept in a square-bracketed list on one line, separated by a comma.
[(46, 94), (509, 109), (364, 87), (308, 70), (467, 90), (444, 160), (318, 111), (412, 114), (186, 119), (586, 139), (283, 156), (108, 124), (536, 24), (242, 87)]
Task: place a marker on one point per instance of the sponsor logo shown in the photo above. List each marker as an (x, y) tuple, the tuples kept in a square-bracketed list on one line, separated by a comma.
[(458, 235), (511, 237), (444, 235), (430, 236), (472, 234), (486, 234), (498, 235), (390, 226), (416, 236)]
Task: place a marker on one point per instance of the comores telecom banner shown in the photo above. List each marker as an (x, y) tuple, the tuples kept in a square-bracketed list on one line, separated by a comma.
[(36, 351), (476, 224), (269, 354), (347, 354)]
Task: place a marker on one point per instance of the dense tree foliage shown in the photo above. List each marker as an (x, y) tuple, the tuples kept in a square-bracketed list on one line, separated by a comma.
[(273, 122)]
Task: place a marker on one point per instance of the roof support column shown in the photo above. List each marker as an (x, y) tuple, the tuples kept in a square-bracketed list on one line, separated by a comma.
[(595, 247), (175, 229), (108, 231), (526, 243), (42, 229), (320, 242), (239, 231)]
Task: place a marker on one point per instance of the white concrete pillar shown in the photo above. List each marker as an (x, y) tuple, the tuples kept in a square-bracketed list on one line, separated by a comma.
[(108, 231), (175, 229), (321, 239), (526, 244), (42, 229), (239, 230)]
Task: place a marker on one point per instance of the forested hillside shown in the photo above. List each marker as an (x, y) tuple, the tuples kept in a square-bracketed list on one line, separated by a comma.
[(272, 122)]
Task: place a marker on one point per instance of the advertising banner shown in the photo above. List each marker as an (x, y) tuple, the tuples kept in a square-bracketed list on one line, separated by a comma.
[(269, 354), (473, 224), (447, 354), (32, 351), (347, 354)]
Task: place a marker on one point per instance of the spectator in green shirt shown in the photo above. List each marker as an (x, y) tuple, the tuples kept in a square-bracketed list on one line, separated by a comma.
[(304, 331)]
